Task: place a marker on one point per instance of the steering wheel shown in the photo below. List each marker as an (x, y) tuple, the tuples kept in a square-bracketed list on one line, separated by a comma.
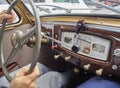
[(20, 41)]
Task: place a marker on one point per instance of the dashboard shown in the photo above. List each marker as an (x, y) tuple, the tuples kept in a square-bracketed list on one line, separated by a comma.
[(96, 49)]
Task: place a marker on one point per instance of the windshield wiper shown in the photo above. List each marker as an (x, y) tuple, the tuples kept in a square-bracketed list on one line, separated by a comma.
[(106, 6), (43, 9), (57, 8)]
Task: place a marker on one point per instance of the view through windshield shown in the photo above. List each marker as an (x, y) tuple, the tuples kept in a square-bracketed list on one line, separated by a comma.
[(106, 7)]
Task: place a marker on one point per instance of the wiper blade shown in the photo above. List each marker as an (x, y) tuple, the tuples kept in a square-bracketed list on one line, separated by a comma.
[(57, 7), (106, 6), (86, 9), (43, 9)]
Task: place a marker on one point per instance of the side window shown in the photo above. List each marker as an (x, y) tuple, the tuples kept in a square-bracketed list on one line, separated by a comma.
[(4, 6)]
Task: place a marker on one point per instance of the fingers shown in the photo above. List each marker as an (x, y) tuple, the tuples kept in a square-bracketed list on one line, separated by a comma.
[(21, 80), (23, 71), (2, 12), (6, 16), (35, 74), (10, 16), (12, 13), (32, 76), (33, 84)]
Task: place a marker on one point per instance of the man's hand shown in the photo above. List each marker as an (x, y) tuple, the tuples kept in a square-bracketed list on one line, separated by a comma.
[(10, 16), (21, 80)]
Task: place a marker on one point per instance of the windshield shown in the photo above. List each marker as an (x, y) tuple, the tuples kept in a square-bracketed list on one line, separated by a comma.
[(106, 7)]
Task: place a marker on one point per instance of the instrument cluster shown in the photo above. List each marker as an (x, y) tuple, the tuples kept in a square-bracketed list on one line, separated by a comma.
[(87, 45)]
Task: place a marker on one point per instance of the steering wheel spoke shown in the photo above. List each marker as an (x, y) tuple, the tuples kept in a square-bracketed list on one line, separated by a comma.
[(18, 40), (11, 55), (27, 35)]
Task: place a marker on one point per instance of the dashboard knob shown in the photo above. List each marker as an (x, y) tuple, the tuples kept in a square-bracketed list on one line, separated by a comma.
[(67, 58), (76, 70), (99, 72), (56, 57), (75, 48), (86, 67)]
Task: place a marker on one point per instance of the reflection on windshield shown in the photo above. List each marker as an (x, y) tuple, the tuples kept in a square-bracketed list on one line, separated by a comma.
[(109, 7), (53, 8)]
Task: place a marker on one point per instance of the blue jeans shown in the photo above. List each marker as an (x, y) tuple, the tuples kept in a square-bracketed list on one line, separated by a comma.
[(99, 82), (47, 79)]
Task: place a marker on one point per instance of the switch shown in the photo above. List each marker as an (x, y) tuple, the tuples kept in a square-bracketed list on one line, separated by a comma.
[(75, 48), (56, 57), (86, 67), (67, 58), (76, 70), (99, 72)]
